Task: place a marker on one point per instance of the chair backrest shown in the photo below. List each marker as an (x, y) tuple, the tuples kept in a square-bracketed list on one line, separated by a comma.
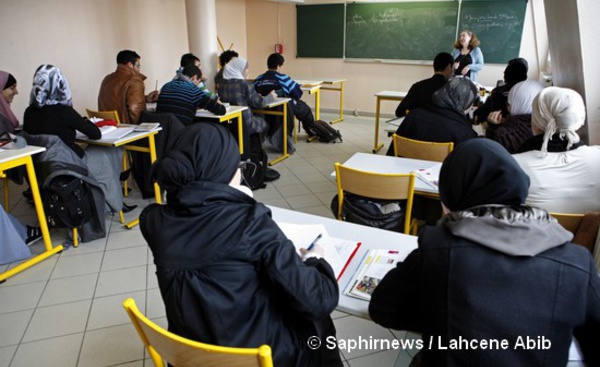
[(182, 352), (419, 149), (570, 222), (376, 186), (106, 115)]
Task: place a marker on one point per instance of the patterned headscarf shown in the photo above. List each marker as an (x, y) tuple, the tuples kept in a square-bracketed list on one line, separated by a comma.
[(235, 68), (50, 87), (5, 106), (558, 110), (457, 94), (521, 96)]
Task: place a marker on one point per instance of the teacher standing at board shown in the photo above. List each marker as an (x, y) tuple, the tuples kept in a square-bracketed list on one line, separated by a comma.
[(468, 58)]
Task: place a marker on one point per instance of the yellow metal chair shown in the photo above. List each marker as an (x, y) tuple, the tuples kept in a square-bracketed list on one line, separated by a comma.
[(112, 115), (419, 149), (377, 186), (570, 222), (181, 352)]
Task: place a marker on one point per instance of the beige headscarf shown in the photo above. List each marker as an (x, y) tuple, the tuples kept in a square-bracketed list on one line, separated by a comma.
[(558, 110)]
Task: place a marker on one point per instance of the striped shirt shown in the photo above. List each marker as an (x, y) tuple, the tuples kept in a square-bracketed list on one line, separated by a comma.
[(182, 98), (282, 84)]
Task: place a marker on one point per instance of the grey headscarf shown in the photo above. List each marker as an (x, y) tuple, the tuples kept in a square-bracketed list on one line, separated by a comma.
[(49, 87), (457, 94)]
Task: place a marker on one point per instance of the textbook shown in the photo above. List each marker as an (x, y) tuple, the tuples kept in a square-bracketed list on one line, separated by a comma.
[(337, 252), (374, 266), (430, 176), (147, 126)]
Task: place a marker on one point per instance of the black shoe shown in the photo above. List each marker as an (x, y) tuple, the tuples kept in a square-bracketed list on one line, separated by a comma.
[(128, 208), (125, 175), (33, 234), (28, 195), (271, 175)]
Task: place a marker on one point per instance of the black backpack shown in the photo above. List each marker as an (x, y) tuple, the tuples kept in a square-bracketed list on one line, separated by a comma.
[(254, 169), (324, 132), (67, 202)]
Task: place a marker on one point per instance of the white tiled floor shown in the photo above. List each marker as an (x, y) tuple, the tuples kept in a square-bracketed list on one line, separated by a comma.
[(66, 311)]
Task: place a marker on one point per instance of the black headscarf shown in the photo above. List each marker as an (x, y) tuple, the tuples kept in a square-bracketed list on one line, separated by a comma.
[(481, 172), (516, 71), (201, 152)]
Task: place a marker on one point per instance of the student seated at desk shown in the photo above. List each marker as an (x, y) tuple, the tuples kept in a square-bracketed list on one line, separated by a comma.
[(8, 120), (445, 121), (226, 272), (182, 97), (419, 95), (493, 271), (284, 86), (191, 59), (224, 58)]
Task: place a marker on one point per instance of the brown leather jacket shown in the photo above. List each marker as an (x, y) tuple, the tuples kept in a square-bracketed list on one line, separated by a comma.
[(123, 91)]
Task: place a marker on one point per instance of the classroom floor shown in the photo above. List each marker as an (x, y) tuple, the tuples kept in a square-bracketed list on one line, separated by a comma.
[(66, 311)]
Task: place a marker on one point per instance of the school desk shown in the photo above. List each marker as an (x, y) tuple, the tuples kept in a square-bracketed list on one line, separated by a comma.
[(313, 87), (329, 84), (269, 110), (126, 142), (385, 95), (233, 112), (22, 157)]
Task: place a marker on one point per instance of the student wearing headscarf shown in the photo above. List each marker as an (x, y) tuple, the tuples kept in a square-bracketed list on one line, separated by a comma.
[(563, 170), (515, 72), (227, 274), (515, 129), (8, 120), (445, 121), (493, 269), (51, 112)]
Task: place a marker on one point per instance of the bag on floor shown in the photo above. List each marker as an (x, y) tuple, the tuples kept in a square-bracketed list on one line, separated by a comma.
[(384, 214), (67, 202), (325, 133), (254, 170)]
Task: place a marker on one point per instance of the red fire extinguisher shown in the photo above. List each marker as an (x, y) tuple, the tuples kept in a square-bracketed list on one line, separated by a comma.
[(279, 48)]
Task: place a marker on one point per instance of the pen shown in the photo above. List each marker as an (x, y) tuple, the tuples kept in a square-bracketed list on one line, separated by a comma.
[(314, 242)]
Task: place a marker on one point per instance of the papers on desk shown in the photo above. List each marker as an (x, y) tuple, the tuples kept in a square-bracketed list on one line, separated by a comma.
[(374, 266), (109, 132), (431, 176), (147, 126), (337, 252)]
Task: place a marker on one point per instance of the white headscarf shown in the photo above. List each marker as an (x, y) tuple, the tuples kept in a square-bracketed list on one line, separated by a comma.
[(235, 68), (49, 87), (521, 96), (558, 110)]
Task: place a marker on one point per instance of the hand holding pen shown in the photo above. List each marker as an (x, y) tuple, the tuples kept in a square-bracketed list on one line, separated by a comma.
[(313, 247)]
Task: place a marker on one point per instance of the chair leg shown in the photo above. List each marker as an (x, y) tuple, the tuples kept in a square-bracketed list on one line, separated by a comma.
[(125, 166), (121, 217), (75, 238)]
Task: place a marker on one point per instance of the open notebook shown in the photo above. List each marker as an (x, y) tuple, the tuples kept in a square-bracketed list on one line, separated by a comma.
[(337, 252), (109, 132)]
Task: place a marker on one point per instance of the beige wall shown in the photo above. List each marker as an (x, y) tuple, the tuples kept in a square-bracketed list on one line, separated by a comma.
[(82, 38)]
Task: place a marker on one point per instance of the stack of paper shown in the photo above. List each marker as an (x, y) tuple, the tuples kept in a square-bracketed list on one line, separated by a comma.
[(337, 252), (374, 266), (108, 133), (147, 126)]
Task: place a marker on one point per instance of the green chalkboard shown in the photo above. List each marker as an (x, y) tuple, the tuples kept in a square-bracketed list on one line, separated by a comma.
[(320, 30), (407, 30), (497, 24)]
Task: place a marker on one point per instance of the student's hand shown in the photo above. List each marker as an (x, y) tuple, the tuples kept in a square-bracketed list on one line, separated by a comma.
[(152, 96), (465, 70), (315, 249), (456, 65), (495, 117), (273, 94)]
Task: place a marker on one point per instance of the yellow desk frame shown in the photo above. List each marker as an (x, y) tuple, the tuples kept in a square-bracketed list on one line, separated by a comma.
[(331, 87), (234, 114), (383, 96), (267, 111), (25, 160)]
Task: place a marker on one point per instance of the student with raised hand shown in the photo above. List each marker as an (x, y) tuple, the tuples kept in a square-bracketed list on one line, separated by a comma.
[(226, 272), (514, 129), (564, 171), (182, 97), (419, 94), (8, 120), (468, 58), (493, 271)]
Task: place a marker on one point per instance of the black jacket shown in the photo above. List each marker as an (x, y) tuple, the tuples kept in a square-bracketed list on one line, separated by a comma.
[(419, 94), (229, 276), (436, 124), (495, 273)]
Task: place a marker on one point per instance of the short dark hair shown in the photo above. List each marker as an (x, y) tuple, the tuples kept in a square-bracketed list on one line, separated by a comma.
[(10, 82), (192, 70), (442, 60), (127, 56), (226, 56), (275, 60), (188, 59)]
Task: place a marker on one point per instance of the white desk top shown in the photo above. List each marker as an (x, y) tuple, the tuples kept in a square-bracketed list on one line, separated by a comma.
[(230, 110), (385, 164), (7, 155), (369, 237), (133, 136), (278, 102), (309, 83), (391, 94)]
